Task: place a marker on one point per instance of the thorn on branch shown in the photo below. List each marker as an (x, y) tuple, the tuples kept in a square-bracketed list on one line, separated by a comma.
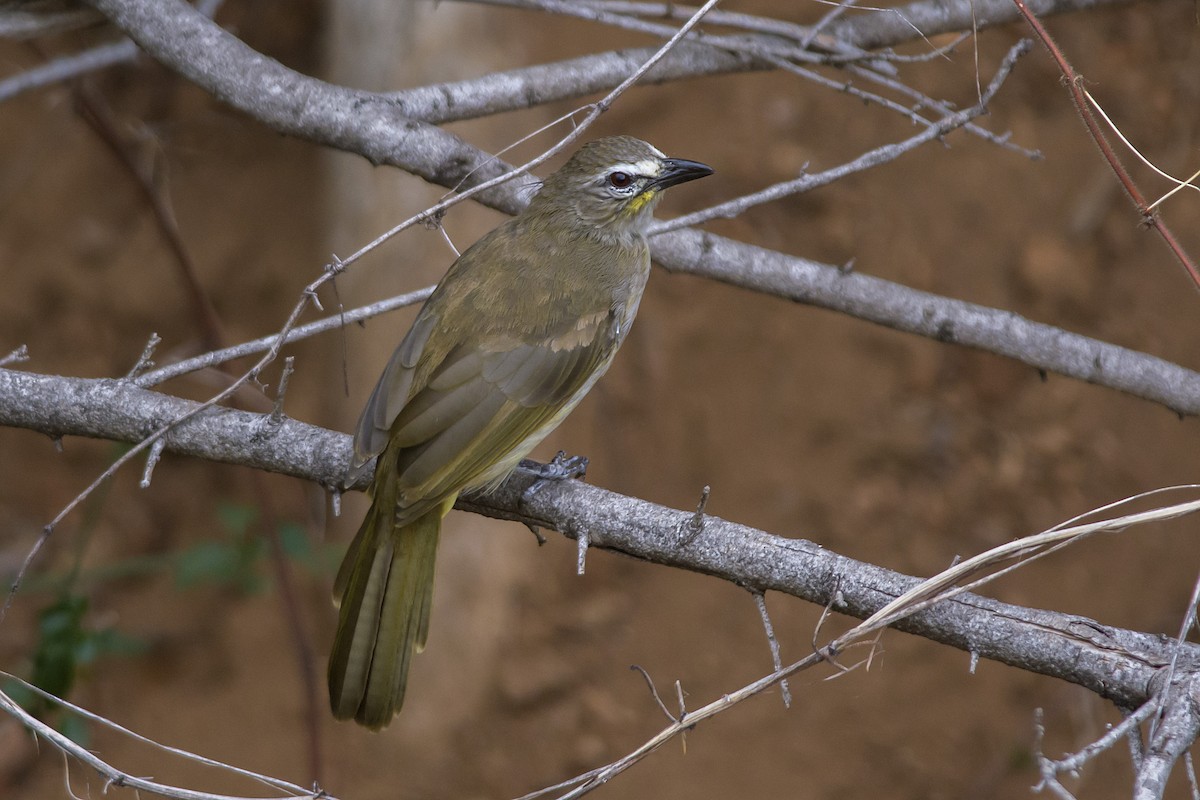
[(310, 294), (760, 601), (152, 458), (581, 545), (145, 360), (537, 533), (18, 356), (695, 526), (679, 699), (277, 412)]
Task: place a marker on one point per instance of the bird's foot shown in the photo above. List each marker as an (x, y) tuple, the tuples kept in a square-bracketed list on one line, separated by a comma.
[(560, 468)]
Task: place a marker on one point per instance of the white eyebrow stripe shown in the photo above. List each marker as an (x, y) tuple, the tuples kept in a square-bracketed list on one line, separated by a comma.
[(648, 167)]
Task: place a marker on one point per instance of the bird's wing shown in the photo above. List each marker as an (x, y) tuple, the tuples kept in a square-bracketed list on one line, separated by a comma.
[(479, 405), (486, 405), (390, 395)]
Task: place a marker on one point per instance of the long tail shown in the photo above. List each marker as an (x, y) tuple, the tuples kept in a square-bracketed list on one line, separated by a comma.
[(383, 589)]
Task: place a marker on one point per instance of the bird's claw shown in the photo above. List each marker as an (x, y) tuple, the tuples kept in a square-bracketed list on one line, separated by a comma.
[(561, 467)]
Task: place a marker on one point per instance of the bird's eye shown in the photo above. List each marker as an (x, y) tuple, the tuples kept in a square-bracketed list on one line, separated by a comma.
[(620, 180)]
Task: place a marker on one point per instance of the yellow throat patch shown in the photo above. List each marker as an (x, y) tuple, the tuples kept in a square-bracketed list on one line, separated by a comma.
[(638, 203)]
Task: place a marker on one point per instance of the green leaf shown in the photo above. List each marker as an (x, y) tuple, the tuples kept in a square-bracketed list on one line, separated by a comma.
[(236, 518), (60, 637), (206, 562)]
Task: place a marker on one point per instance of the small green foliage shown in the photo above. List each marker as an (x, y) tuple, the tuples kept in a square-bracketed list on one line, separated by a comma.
[(231, 558), (65, 645), (60, 641), (318, 558), (230, 561)]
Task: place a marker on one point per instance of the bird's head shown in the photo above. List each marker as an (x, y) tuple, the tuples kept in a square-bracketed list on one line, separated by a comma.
[(613, 184)]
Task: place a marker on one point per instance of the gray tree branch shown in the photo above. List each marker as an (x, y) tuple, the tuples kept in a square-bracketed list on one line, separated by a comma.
[(1116, 664)]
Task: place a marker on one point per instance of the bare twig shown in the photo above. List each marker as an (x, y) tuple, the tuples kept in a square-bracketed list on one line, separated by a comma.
[(1176, 731), (156, 451), (265, 343), (695, 525), (65, 68), (18, 356), (289, 364), (653, 691), (760, 600), (119, 778), (1050, 769), (1189, 619), (146, 359), (1049, 776), (25, 21), (873, 158)]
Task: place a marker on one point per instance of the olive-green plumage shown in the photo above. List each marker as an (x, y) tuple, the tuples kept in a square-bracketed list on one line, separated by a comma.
[(514, 336)]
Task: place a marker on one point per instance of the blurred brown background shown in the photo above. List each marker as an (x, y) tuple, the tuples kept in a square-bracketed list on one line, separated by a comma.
[(882, 446)]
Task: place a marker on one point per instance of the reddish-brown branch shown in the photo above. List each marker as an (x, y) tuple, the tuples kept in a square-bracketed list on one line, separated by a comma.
[(1074, 85)]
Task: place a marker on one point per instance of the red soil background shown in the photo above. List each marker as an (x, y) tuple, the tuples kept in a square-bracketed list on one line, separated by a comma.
[(883, 446)]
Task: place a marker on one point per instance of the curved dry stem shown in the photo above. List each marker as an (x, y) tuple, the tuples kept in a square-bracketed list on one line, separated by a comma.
[(119, 778)]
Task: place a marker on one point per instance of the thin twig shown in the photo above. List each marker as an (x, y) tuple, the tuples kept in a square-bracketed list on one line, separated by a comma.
[(760, 601), (65, 68), (156, 451), (873, 158), (265, 343), (1116, 733), (146, 359), (76, 65), (117, 777), (653, 691), (18, 356)]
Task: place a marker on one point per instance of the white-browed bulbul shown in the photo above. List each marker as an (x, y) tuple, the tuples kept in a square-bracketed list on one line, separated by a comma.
[(517, 332)]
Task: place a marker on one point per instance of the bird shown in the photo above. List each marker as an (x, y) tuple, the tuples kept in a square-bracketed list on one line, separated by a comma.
[(514, 335)]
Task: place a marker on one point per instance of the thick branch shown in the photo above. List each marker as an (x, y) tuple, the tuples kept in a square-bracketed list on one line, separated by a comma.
[(1044, 347), (1114, 663)]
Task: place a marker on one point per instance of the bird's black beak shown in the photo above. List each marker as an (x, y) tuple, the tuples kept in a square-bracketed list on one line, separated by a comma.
[(680, 170)]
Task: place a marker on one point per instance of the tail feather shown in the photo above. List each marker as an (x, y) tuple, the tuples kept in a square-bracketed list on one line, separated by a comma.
[(385, 587)]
